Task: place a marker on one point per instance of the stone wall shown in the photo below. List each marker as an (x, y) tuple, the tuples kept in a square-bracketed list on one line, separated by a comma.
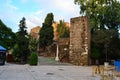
[(63, 49), (35, 32), (79, 41)]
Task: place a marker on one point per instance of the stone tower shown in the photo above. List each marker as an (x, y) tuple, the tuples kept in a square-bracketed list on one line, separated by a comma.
[(79, 41)]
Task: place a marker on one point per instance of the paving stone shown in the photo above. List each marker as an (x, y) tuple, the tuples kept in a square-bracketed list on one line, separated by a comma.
[(26, 72)]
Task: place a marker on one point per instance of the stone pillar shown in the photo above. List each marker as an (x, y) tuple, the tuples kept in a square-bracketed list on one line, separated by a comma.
[(79, 41)]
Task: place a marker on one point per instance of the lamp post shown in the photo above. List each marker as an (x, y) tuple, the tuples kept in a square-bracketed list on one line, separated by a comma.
[(106, 63), (106, 47), (65, 49), (57, 53)]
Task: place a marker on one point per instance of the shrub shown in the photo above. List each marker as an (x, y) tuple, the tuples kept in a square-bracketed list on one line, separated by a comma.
[(95, 54), (33, 59)]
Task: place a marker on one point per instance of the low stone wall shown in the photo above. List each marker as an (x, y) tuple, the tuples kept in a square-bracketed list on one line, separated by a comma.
[(64, 49)]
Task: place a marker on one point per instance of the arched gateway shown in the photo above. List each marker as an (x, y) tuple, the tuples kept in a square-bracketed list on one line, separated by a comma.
[(79, 41)]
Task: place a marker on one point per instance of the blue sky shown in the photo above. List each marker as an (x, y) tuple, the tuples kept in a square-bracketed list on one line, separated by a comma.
[(35, 11)]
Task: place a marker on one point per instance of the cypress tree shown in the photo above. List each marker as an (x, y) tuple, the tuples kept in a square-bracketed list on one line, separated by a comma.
[(46, 32)]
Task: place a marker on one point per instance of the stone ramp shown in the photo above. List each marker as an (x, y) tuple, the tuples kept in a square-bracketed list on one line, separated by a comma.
[(51, 61)]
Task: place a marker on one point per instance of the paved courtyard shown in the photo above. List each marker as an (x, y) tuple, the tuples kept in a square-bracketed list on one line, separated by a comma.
[(26, 72), (46, 72)]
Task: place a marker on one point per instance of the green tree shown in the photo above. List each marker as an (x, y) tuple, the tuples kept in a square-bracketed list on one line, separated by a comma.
[(104, 20), (102, 13), (100, 38), (33, 43), (63, 30), (46, 32), (7, 37), (22, 46), (95, 54), (112, 15)]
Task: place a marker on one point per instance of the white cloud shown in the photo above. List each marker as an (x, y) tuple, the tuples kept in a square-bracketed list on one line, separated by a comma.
[(64, 5), (65, 9), (62, 9), (24, 1), (118, 0), (68, 8), (10, 5), (30, 25), (33, 21), (38, 12)]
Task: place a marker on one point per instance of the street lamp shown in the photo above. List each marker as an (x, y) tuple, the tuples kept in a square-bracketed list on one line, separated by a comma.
[(57, 53), (65, 49), (106, 63), (106, 47)]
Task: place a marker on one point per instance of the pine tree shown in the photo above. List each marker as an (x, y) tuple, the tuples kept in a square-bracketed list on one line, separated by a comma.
[(21, 49)]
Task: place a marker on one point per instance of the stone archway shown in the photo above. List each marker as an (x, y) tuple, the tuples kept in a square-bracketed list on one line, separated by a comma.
[(79, 41)]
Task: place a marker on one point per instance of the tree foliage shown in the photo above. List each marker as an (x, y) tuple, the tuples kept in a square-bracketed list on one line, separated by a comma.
[(33, 58), (95, 53), (21, 49), (102, 13), (63, 30), (33, 43), (46, 32), (104, 17), (7, 37)]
